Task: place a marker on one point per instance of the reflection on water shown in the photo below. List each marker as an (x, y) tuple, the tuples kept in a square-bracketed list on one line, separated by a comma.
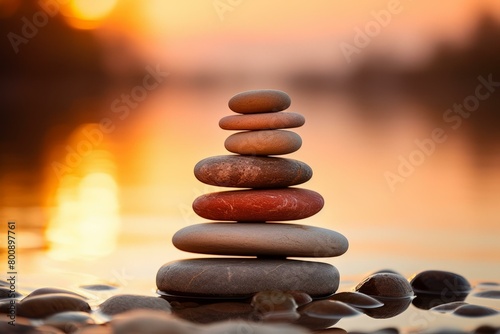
[(85, 222)]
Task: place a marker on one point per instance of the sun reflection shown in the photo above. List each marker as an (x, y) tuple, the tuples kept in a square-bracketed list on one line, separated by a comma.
[(85, 222), (88, 14)]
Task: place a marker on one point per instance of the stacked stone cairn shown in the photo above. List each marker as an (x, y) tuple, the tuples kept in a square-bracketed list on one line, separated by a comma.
[(250, 223)]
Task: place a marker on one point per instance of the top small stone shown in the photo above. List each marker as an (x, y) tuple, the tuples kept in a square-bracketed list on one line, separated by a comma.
[(258, 101)]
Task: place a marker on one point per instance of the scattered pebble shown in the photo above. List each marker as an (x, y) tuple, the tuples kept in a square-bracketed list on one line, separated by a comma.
[(494, 294), (98, 287), (443, 283), (49, 291), (386, 285), (473, 311), (122, 303), (485, 329), (44, 305)]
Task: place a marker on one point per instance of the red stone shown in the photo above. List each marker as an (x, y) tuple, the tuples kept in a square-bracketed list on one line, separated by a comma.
[(259, 205)]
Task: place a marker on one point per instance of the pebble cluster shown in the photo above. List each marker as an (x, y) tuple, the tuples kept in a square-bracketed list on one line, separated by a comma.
[(251, 221), (381, 295)]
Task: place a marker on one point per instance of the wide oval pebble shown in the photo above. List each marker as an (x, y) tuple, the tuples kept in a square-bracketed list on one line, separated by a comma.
[(264, 121), (123, 303), (41, 306), (263, 142), (470, 310), (252, 172), (261, 100), (243, 277), (385, 285), (259, 205), (262, 239), (440, 283)]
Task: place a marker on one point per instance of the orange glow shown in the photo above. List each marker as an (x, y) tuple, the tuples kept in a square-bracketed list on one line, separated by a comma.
[(85, 222), (88, 14)]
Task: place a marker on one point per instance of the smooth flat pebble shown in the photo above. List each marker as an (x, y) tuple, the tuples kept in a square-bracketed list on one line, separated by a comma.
[(260, 100), (259, 204), (473, 311), (252, 172), (122, 303), (440, 282), (493, 294), (98, 287), (263, 142), (254, 239), (243, 277), (264, 121), (41, 306), (51, 290)]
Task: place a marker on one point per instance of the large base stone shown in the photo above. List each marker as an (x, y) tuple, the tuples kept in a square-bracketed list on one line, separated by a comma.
[(243, 277)]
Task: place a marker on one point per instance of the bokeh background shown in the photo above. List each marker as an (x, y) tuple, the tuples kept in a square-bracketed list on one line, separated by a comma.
[(97, 169)]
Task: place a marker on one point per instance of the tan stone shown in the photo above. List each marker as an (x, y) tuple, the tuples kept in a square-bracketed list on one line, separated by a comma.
[(263, 142)]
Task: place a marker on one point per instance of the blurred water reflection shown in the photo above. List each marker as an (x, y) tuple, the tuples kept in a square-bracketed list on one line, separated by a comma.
[(85, 220)]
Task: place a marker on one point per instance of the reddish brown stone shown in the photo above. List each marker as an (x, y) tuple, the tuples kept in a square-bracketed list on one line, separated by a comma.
[(263, 121), (252, 172), (253, 239), (263, 142), (259, 205), (262, 100)]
